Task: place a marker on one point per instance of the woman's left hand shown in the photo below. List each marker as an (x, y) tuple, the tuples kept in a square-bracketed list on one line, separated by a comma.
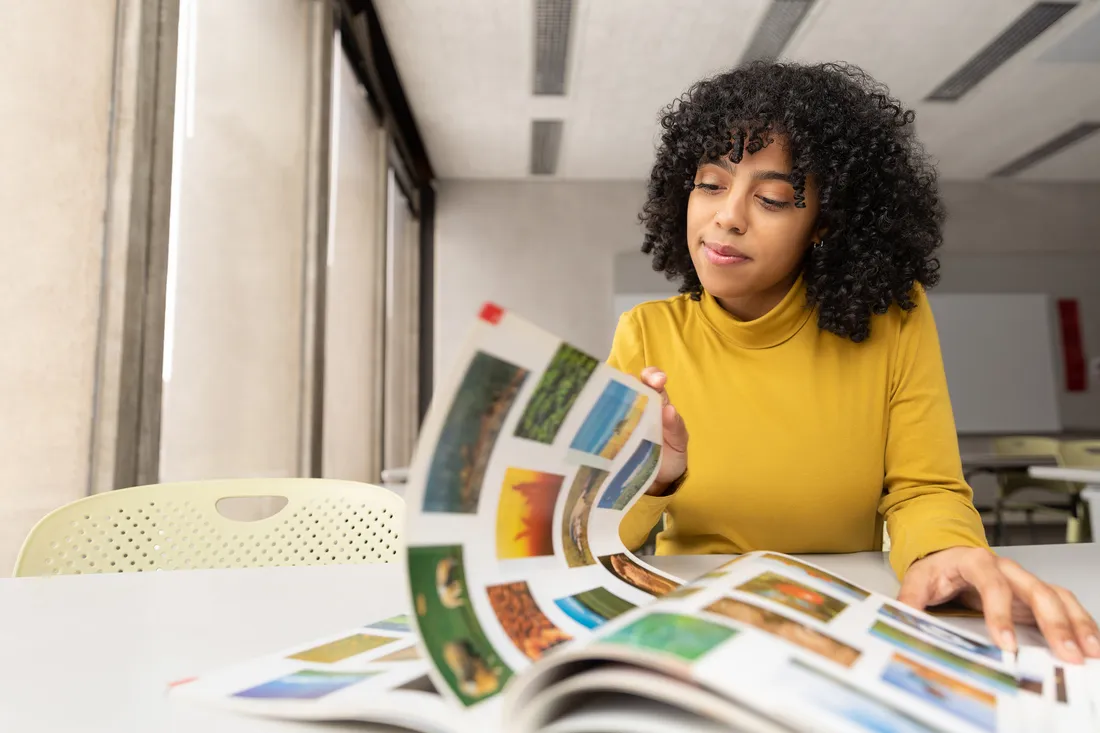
[(1006, 594)]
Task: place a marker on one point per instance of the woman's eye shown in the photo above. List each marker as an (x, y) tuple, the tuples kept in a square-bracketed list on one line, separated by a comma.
[(772, 204), (707, 186)]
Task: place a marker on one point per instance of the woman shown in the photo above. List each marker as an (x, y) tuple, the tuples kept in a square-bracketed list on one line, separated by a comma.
[(801, 218)]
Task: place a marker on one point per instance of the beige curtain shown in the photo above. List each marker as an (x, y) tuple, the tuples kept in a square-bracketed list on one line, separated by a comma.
[(356, 286), (234, 315), (402, 329)]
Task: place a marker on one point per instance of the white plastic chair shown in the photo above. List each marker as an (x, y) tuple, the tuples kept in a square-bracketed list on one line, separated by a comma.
[(178, 526)]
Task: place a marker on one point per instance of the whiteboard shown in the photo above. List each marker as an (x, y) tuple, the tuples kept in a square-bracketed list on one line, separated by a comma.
[(1000, 355)]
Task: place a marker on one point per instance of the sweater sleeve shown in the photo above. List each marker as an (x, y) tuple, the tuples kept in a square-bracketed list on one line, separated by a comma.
[(628, 356), (927, 503)]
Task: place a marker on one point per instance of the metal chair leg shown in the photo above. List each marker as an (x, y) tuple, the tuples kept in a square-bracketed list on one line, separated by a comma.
[(1073, 530), (998, 521), (1088, 528)]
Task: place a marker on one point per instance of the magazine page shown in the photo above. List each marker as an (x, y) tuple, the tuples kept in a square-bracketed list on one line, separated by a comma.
[(615, 714), (529, 456), (803, 646), (373, 673), (625, 698)]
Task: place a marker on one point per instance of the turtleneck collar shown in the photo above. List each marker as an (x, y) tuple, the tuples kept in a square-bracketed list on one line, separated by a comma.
[(771, 329)]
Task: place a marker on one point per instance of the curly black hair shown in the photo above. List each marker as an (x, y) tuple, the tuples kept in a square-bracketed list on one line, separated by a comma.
[(879, 200)]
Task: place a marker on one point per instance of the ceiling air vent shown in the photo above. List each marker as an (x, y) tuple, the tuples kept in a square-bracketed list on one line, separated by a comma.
[(545, 146), (1026, 29), (1047, 149), (552, 24), (779, 24)]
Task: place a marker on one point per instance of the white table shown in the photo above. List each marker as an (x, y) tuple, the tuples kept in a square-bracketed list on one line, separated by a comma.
[(94, 653), (1090, 477)]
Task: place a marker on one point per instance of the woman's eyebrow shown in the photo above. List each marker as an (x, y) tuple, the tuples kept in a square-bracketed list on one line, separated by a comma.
[(768, 175), (773, 176)]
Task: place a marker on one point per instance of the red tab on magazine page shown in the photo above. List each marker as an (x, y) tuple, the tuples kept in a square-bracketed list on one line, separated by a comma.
[(491, 313)]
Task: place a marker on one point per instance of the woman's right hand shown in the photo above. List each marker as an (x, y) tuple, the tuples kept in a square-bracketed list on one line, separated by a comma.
[(674, 449)]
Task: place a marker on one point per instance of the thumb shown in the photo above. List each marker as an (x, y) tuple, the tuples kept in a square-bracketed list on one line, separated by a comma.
[(676, 435), (915, 591)]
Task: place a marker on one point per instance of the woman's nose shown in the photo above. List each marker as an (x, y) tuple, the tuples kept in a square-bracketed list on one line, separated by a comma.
[(731, 214)]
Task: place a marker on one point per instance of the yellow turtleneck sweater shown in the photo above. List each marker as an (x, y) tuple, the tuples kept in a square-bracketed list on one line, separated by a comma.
[(801, 440)]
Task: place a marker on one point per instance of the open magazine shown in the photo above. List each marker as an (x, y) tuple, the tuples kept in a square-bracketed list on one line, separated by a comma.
[(527, 613)]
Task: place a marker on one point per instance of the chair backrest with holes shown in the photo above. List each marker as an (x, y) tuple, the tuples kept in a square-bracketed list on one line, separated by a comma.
[(178, 526), (1026, 445), (1081, 453)]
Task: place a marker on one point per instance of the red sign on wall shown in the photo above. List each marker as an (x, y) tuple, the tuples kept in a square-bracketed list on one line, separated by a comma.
[(1073, 352)]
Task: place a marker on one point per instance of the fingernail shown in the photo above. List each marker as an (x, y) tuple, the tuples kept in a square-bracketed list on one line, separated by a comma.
[(1008, 640), (1093, 645), (1071, 647)]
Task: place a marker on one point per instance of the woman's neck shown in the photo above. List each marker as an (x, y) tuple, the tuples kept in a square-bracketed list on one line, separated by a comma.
[(757, 305)]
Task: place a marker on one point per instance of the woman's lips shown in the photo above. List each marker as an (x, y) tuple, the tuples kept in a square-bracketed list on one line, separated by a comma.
[(720, 254)]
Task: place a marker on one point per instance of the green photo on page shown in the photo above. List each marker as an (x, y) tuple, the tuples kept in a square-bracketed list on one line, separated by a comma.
[(682, 636)]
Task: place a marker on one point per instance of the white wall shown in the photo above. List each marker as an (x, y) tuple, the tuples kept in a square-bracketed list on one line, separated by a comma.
[(1062, 275), (1002, 217), (56, 71), (544, 250)]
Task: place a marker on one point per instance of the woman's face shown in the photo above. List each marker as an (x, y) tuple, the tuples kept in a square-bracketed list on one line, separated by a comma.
[(745, 235)]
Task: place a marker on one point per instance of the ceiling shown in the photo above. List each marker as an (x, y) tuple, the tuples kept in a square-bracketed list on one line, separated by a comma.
[(467, 68)]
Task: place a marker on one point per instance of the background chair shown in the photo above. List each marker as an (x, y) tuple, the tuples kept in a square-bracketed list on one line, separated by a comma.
[(179, 526), (1013, 482), (1081, 453)]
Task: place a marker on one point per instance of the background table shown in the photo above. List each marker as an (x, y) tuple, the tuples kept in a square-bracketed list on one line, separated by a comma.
[(94, 653), (1090, 477)]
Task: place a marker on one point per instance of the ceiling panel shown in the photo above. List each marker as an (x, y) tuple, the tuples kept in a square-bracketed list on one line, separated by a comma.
[(911, 46), (1023, 105), (467, 70), (634, 57), (1078, 163)]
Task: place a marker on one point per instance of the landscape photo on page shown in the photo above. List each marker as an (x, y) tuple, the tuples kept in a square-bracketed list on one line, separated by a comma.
[(316, 679)]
